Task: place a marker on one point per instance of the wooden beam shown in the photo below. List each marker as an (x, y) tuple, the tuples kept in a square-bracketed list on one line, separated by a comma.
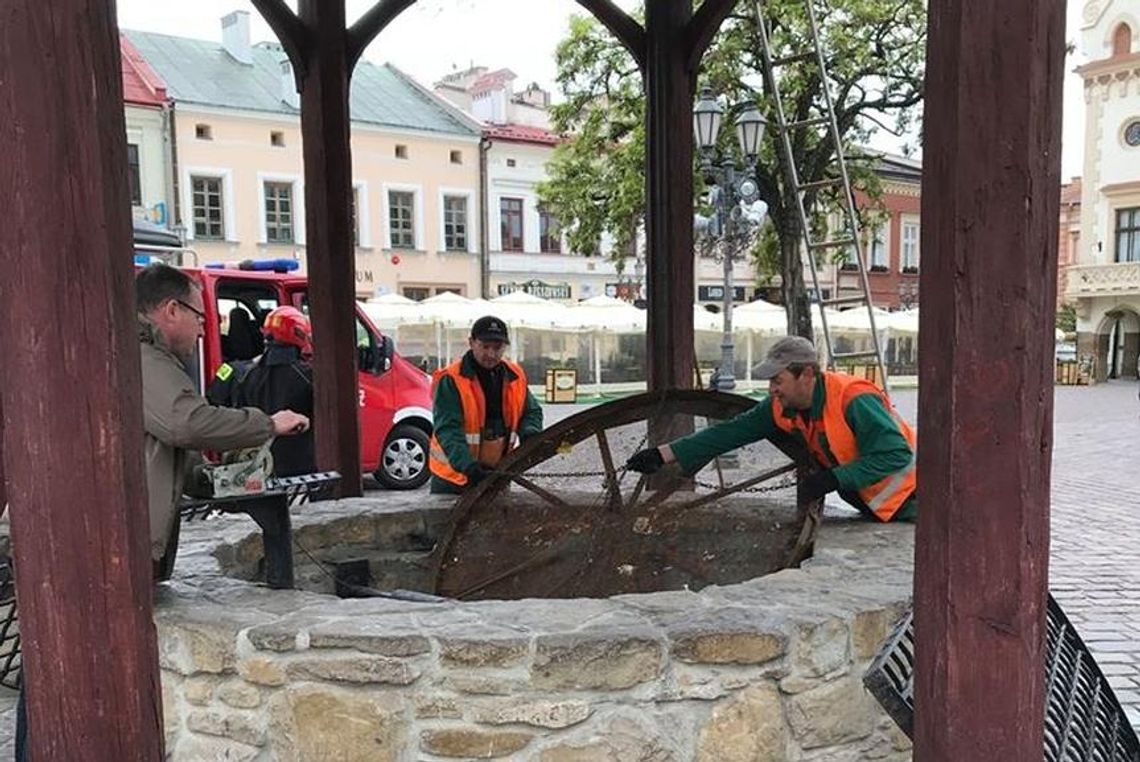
[(325, 131), (703, 27), (71, 388), (669, 84), (991, 172), (630, 33), (364, 30), (291, 33)]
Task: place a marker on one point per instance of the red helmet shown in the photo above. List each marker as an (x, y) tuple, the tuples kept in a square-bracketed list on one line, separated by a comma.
[(288, 325)]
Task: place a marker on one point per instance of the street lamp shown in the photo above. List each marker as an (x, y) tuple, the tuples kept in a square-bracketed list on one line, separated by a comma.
[(729, 187)]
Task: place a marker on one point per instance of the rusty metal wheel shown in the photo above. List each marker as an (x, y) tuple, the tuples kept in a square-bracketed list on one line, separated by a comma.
[(545, 526)]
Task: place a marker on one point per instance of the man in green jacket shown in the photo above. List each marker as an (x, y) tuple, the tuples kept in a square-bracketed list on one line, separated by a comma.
[(177, 419), (481, 409), (864, 448)]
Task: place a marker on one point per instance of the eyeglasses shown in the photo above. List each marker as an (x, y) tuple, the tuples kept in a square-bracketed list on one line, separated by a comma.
[(197, 312)]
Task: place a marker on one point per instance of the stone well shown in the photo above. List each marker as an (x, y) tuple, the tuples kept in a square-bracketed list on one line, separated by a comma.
[(768, 669)]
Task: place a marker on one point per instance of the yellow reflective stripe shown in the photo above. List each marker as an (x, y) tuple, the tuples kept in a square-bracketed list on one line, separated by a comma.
[(892, 487)]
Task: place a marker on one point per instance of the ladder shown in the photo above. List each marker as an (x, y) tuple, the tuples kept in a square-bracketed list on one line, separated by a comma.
[(846, 235)]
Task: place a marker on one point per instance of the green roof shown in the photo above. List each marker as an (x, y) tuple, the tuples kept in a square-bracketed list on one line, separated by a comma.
[(201, 72)]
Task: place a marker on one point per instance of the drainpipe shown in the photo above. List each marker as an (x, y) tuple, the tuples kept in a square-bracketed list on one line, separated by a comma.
[(172, 187), (484, 237)]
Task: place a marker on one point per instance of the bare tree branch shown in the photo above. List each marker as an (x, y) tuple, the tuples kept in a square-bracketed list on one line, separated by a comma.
[(364, 31), (621, 25), (703, 26), (290, 31)]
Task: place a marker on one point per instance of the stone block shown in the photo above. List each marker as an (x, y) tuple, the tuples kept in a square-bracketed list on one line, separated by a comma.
[(834, 713), (482, 685), (192, 644), (262, 671), (316, 724), (539, 713), (595, 662), (473, 743), (729, 647), (749, 726), (870, 628), (470, 652), (392, 636), (171, 710), (242, 727), (192, 748), (624, 738), (818, 649), (199, 690), (353, 669), (239, 694), (432, 706)]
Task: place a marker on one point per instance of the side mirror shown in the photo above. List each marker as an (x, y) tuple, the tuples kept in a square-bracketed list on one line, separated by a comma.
[(369, 360)]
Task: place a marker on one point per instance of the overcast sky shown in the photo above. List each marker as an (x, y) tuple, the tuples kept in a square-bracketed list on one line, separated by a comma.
[(434, 37)]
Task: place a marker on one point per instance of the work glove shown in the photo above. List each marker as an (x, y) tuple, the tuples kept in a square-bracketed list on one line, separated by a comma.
[(646, 461), (814, 486), (476, 473)]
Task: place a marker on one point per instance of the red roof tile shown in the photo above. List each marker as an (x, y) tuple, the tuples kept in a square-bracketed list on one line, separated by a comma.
[(492, 80), (141, 85), (521, 133)]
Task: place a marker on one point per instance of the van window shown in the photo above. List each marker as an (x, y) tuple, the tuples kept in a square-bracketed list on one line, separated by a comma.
[(242, 307)]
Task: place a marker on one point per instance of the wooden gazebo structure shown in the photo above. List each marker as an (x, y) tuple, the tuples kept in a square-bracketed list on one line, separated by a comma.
[(70, 388)]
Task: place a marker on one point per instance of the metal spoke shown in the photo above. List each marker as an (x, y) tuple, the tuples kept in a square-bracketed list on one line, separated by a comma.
[(738, 487), (611, 483), (546, 495)]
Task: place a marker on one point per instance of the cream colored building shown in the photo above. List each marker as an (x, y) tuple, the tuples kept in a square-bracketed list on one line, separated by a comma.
[(239, 167), (1104, 282)]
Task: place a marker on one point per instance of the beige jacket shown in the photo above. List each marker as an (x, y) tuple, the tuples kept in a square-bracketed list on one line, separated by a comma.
[(179, 422)]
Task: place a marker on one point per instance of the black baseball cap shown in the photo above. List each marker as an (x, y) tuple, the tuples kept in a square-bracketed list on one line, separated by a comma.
[(490, 328)]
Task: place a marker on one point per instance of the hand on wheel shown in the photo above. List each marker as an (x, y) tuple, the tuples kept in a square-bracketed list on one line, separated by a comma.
[(646, 461)]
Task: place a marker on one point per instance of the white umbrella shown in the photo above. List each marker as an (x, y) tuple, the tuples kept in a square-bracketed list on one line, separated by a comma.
[(390, 311), (522, 310), (903, 323), (450, 311), (603, 314)]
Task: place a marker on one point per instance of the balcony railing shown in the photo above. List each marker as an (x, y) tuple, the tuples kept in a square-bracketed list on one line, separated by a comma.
[(1103, 280)]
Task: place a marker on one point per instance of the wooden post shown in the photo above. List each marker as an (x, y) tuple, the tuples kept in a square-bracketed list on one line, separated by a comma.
[(669, 84), (991, 174), (71, 388), (330, 252)]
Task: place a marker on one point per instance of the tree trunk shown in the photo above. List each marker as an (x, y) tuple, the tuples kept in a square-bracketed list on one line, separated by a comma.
[(795, 292)]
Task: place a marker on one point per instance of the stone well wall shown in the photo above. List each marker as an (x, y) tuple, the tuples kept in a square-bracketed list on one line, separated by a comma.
[(765, 670)]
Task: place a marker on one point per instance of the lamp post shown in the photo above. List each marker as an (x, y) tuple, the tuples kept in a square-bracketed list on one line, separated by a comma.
[(729, 187)]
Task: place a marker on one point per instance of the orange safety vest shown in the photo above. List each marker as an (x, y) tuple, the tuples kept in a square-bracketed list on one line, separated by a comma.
[(885, 496), (474, 412)]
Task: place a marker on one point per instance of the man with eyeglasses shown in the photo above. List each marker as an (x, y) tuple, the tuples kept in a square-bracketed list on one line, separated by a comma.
[(178, 420)]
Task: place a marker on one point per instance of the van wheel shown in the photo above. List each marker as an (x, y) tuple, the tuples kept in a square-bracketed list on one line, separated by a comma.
[(404, 459)]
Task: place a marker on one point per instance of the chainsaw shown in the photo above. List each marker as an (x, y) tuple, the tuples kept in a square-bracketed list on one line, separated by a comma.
[(240, 472)]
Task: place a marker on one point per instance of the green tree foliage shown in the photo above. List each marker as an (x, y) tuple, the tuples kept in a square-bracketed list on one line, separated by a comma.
[(1067, 318), (874, 52)]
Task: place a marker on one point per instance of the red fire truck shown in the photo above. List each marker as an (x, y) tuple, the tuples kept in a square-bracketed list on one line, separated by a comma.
[(394, 395)]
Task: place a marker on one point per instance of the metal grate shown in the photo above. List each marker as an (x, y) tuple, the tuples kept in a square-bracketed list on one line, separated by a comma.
[(1083, 719), (9, 627)]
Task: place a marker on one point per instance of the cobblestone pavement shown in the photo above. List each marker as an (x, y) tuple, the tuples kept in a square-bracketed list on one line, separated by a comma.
[(1093, 571)]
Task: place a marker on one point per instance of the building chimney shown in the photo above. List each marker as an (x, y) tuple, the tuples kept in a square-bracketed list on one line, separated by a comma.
[(289, 95), (235, 36)]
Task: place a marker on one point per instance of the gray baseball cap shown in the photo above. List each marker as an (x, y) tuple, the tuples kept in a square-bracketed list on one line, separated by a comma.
[(790, 350)]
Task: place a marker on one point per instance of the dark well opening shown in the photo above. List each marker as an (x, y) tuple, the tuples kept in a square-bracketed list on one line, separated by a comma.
[(560, 518)]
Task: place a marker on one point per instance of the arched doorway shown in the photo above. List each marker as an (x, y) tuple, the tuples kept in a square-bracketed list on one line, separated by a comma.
[(1118, 344)]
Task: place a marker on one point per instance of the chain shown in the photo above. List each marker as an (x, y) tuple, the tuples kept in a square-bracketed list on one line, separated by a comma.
[(785, 484)]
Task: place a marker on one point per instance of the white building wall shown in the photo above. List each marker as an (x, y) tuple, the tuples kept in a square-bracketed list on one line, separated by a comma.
[(146, 129)]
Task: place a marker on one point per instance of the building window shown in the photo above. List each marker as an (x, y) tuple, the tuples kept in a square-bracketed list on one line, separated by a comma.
[(134, 177), (401, 151), (1122, 40), (279, 212), (206, 195), (510, 162), (203, 132), (277, 138), (550, 237), (910, 247), (456, 157), (879, 254), (455, 223), (1128, 234), (417, 293), (401, 219), (511, 223)]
